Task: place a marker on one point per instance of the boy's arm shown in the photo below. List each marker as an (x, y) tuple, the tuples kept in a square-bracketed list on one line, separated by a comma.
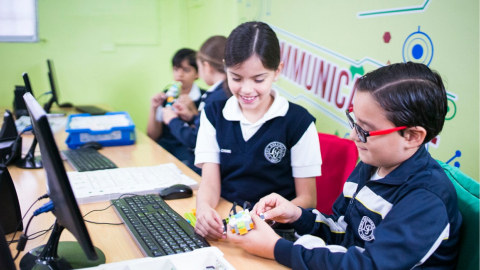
[(410, 233), (154, 127), (186, 134)]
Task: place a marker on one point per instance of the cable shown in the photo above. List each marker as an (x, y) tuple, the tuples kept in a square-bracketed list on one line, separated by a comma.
[(16, 256), (46, 93), (99, 210), (47, 206), (23, 239), (40, 233), (102, 223), (44, 196)]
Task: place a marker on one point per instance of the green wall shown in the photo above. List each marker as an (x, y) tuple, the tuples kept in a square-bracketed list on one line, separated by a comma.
[(108, 52), (118, 52)]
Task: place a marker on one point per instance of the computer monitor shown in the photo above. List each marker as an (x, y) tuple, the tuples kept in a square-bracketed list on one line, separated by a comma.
[(66, 210), (30, 161), (53, 87), (28, 86), (6, 260), (93, 110)]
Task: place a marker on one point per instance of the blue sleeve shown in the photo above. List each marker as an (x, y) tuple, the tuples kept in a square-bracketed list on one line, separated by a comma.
[(409, 234), (331, 228), (185, 133)]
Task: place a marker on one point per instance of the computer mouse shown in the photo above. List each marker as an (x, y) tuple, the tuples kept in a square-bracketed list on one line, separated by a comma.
[(93, 145), (179, 191)]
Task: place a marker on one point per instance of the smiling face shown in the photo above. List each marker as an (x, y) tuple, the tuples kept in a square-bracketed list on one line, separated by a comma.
[(251, 83), (384, 151)]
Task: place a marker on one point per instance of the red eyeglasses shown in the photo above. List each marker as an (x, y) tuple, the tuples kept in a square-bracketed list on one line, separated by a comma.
[(362, 134)]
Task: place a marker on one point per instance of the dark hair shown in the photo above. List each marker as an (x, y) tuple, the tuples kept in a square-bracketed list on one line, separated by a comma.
[(253, 38), (212, 51), (184, 54), (410, 93)]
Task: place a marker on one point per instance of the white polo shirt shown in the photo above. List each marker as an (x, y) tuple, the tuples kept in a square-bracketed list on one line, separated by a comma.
[(305, 155)]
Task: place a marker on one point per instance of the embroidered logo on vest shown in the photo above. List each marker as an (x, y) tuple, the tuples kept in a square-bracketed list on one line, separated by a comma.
[(366, 228), (275, 151), (226, 151)]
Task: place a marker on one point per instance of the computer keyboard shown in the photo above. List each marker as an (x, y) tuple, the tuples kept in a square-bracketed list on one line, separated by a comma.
[(91, 110), (88, 159), (156, 228)]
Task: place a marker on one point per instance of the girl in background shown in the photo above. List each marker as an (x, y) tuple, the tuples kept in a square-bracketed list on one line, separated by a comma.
[(184, 120)]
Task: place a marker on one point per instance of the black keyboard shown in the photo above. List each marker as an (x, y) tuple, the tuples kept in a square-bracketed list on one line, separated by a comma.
[(91, 110), (156, 228), (88, 159)]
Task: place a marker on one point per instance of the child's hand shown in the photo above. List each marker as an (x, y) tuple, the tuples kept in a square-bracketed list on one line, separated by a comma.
[(275, 207), (209, 223), (186, 108), (183, 111), (168, 115), (259, 241), (158, 99), (185, 99)]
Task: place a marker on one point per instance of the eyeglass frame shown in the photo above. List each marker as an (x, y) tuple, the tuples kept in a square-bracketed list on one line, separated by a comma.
[(362, 134)]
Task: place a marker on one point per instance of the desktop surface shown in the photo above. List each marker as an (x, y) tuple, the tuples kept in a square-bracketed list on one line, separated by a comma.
[(30, 184)]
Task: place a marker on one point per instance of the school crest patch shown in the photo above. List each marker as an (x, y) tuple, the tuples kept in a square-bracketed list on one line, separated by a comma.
[(366, 228), (275, 151)]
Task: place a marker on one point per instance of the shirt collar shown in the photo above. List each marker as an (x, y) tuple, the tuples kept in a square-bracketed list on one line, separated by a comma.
[(214, 86), (415, 164), (194, 92), (279, 108)]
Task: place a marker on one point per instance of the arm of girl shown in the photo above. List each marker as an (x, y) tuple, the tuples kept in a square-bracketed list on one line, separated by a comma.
[(306, 165), (209, 223), (207, 155), (306, 192)]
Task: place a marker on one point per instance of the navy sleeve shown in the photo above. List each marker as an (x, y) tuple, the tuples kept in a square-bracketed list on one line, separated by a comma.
[(185, 133), (405, 239)]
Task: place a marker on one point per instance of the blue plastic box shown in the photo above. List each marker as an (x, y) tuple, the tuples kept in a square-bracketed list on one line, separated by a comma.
[(105, 135)]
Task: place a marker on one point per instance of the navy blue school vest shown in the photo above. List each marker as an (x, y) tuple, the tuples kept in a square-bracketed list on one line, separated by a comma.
[(255, 168)]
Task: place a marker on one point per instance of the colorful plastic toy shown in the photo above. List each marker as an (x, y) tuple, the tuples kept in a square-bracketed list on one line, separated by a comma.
[(241, 222)]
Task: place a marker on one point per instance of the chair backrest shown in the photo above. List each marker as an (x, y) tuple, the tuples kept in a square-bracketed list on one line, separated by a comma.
[(468, 205), (339, 158)]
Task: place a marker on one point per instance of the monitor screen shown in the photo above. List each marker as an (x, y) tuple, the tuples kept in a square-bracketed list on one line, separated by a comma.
[(6, 260), (28, 86), (51, 79), (58, 186)]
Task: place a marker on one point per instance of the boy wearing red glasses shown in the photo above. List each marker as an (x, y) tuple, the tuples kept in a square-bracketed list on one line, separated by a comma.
[(398, 209)]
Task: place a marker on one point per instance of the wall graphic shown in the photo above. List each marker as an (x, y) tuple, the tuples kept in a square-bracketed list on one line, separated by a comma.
[(327, 46)]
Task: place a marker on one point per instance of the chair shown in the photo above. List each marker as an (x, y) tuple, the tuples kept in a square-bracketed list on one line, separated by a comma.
[(468, 205), (339, 158)]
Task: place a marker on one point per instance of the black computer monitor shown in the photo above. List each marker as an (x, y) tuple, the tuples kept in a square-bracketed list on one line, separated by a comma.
[(6, 260), (54, 90), (30, 161), (28, 86), (66, 210), (93, 110)]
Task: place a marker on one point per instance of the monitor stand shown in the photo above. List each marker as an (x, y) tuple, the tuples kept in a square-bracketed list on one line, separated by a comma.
[(57, 255), (30, 161)]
